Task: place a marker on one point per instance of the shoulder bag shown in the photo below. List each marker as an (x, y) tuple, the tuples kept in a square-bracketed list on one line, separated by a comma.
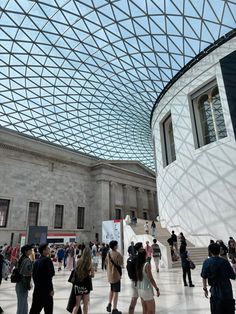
[(192, 265), (118, 267)]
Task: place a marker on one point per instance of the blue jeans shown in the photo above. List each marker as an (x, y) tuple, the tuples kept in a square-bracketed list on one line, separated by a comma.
[(22, 298)]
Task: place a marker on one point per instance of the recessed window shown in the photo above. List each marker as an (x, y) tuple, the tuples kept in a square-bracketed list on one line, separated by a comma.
[(4, 208), (132, 213), (208, 116), (33, 214), (168, 143), (58, 223), (118, 213), (80, 218), (145, 214)]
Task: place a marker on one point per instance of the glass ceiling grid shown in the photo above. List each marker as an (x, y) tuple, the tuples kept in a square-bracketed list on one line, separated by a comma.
[(85, 74)]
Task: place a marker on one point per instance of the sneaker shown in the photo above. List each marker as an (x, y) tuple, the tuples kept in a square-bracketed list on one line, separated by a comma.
[(116, 312), (109, 307), (185, 284), (191, 285)]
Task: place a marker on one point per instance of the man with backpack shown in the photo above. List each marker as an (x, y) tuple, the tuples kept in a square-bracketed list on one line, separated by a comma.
[(131, 269), (131, 249), (156, 254)]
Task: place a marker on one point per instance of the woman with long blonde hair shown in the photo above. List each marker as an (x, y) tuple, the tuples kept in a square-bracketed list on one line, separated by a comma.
[(82, 282)]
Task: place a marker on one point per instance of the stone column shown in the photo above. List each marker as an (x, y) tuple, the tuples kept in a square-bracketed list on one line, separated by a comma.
[(139, 202), (112, 213), (126, 199), (103, 202), (156, 209), (150, 205)]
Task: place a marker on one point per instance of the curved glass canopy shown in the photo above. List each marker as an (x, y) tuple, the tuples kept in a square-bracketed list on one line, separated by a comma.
[(85, 74)]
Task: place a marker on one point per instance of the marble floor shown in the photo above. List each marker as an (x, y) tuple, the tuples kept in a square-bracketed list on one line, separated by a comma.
[(174, 299)]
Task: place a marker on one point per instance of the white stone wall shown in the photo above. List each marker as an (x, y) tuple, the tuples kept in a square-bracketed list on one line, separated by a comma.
[(197, 192)]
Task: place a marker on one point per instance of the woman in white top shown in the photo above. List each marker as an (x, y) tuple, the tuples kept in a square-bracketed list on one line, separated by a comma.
[(145, 283)]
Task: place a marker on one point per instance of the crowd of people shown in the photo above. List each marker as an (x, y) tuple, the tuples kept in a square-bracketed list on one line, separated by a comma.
[(36, 266)]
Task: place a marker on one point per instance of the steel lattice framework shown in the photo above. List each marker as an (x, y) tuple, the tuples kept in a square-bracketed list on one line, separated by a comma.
[(85, 74)]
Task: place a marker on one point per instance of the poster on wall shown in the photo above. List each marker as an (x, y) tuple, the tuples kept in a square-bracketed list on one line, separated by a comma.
[(36, 234), (111, 230)]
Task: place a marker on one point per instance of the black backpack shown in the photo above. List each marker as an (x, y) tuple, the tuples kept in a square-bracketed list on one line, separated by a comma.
[(131, 267)]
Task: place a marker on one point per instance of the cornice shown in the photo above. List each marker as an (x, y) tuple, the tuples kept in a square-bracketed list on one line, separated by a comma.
[(107, 166)]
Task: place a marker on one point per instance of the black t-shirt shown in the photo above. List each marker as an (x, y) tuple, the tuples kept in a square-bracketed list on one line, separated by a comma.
[(184, 259), (218, 271), (43, 271), (104, 251), (174, 237)]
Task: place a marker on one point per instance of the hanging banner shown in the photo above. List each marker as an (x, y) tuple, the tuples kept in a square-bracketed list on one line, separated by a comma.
[(36, 234), (111, 230)]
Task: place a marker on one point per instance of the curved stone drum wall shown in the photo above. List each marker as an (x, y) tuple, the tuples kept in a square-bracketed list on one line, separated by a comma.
[(197, 190)]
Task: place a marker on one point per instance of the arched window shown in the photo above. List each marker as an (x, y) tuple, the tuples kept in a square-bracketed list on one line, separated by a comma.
[(208, 116)]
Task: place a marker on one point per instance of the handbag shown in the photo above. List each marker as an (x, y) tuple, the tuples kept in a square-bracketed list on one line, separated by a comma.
[(15, 276), (192, 265), (72, 277)]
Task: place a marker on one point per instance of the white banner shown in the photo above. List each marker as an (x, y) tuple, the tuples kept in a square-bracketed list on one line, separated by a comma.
[(111, 230)]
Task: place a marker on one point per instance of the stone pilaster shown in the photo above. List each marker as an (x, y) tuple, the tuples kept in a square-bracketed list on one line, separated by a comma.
[(126, 202), (151, 205), (156, 208), (113, 186), (139, 201), (103, 201)]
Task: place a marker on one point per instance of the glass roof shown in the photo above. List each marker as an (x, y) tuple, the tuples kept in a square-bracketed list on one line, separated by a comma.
[(85, 74)]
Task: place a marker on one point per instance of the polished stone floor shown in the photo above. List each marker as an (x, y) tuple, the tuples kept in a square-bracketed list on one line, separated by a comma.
[(174, 299)]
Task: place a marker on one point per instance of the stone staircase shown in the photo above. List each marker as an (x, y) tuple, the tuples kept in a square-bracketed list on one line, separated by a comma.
[(197, 254)]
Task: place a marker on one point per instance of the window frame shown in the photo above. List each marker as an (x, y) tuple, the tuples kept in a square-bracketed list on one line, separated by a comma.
[(197, 125), (118, 213), (7, 212), (37, 214), (61, 216), (80, 225), (166, 143), (145, 214)]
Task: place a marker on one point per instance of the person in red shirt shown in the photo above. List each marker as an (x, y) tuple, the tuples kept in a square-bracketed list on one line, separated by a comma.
[(15, 254)]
